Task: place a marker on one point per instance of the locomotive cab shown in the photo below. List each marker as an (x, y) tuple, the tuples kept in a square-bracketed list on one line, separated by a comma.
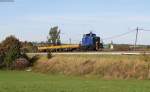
[(91, 42)]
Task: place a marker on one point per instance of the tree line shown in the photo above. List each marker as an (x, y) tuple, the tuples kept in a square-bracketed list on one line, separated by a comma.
[(11, 49)]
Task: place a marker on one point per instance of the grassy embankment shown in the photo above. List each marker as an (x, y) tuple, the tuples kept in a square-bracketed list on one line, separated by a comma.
[(104, 66), (14, 81)]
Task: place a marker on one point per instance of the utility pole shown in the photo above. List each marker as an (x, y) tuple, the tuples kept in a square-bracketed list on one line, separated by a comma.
[(137, 31)]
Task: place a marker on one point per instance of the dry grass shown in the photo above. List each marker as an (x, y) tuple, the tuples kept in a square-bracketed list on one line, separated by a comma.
[(105, 66)]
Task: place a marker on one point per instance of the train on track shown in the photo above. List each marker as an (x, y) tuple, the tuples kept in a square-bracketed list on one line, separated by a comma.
[(90, 42)]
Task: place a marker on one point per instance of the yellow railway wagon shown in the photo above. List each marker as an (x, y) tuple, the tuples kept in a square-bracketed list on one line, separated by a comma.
[(59, 47)]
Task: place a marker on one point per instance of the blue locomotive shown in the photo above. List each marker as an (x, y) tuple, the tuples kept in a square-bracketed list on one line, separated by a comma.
[(91, 42)]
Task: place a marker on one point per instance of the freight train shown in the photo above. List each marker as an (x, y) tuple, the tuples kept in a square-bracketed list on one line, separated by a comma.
[(90, 42)]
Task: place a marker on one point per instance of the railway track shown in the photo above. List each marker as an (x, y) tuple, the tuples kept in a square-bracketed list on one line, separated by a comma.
[(93, 53)]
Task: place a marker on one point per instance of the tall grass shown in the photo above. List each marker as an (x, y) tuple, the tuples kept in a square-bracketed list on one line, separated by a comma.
[(105, 66)]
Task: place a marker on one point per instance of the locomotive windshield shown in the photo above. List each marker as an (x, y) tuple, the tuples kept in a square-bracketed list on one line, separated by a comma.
[(91, 34)]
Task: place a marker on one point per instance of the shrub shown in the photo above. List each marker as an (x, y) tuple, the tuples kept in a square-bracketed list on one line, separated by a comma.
[(10, 49), (1, 59), (11, 55), (9, 42), (49, 55), (33, 59)]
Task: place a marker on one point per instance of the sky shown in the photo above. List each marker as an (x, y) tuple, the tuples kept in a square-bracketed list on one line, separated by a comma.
[(30, 20)]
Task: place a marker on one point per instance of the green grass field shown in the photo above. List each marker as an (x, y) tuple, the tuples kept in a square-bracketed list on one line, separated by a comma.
[(16, 81)]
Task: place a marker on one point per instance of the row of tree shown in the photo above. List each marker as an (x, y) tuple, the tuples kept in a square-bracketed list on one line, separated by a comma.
[(12, 49), (13, 53)]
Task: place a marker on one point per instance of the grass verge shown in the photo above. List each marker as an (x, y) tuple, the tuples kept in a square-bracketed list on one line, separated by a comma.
[(104, 66), (14, 81)]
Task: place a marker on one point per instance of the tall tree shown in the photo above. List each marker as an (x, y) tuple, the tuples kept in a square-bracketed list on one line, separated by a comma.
[(54, 36)]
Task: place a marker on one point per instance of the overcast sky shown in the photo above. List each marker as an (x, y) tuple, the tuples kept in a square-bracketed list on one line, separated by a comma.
[(31, 19)]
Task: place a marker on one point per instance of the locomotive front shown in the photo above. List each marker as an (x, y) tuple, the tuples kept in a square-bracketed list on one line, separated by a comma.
[(91, 42)]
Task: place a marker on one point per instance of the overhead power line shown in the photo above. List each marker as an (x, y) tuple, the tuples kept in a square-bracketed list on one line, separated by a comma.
[(145, 30), (120, 35)]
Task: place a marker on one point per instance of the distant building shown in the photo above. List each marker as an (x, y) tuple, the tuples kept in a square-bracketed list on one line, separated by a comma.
[(111, 45)]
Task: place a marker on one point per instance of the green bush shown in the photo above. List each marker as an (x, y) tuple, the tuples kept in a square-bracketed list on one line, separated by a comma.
[(10, 49), (1, 59), (11, 55)]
